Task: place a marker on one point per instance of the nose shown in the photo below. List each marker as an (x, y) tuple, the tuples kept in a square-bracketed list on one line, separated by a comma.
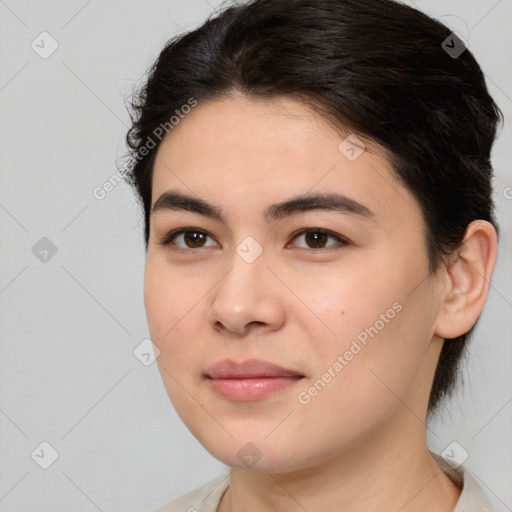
[(248, 297)]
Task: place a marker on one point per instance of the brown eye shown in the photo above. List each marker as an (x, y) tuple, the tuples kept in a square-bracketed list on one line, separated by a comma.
[(192, 238), (316, 238)]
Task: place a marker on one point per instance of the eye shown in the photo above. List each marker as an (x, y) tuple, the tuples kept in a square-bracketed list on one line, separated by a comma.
[(317, 237), (194, 238)]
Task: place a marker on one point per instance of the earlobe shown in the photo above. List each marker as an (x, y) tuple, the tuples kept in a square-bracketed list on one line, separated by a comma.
[(468, 275)]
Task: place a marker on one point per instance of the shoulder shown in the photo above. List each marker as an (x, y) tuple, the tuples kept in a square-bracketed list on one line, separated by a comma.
[(203, 499), (473, 497)]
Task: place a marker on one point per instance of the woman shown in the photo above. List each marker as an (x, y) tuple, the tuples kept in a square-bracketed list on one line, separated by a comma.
[(316, 183)]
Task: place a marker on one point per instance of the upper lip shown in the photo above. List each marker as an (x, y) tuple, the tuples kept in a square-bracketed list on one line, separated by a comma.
[(251, 368)]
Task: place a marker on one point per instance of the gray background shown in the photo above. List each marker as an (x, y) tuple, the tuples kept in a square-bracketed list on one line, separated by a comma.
[(69, 325)]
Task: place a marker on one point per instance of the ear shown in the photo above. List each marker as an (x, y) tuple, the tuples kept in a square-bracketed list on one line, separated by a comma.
[(467, 278)]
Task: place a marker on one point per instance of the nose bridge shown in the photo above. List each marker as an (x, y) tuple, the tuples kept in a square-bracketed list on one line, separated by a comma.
[(245, 294), (247, 269)]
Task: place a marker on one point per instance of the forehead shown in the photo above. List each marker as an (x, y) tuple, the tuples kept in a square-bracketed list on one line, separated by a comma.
[(245, 153)]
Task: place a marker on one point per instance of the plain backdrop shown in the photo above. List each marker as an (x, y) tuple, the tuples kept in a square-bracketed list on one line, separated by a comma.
[(71, 267)]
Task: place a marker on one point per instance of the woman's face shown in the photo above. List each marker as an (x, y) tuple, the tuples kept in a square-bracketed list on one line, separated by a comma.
[(351, 319)]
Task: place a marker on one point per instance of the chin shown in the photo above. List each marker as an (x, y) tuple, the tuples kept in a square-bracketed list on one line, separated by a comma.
[(255, 453)]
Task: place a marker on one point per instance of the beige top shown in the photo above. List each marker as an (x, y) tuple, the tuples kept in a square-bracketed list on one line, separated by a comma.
[(207, 497)]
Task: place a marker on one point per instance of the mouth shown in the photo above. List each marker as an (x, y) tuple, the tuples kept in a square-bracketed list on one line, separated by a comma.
[(250, 380)]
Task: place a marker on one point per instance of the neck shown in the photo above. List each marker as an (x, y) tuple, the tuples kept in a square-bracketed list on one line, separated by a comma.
[(395, 472)]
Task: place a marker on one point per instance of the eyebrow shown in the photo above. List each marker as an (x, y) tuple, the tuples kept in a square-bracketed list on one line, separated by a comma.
[(174, 200)]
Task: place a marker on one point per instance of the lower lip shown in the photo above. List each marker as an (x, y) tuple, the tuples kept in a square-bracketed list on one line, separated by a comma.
[(251, 389)]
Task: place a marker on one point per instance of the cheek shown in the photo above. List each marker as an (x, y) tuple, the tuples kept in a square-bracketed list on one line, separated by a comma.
[(362, 379), (166, 312), (347, 304), (165, 299), (163, 314), (376, 329), (159, 307), (174, 312)]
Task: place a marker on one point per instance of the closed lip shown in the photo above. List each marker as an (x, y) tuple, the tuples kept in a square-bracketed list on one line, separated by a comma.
[(249, 369)]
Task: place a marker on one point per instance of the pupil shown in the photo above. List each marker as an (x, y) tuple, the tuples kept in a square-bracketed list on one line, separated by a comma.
[(317, 237), (198, 237)]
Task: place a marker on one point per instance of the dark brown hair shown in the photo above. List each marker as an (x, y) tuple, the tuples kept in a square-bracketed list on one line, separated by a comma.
[(377, 67)]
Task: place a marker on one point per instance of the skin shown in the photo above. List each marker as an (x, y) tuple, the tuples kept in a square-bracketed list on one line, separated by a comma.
[(360, 443)]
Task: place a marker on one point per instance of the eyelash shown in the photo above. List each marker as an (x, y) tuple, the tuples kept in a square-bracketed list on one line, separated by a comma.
[(342, 242)]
